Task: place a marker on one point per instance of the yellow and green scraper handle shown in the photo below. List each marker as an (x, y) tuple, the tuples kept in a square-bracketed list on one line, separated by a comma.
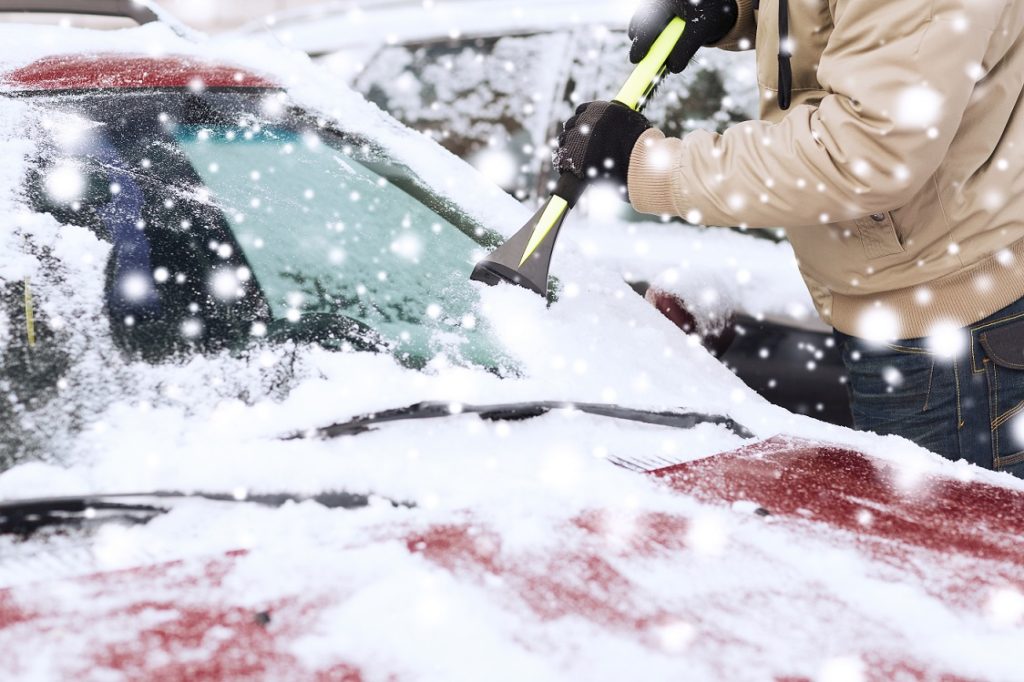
[(524, 259)]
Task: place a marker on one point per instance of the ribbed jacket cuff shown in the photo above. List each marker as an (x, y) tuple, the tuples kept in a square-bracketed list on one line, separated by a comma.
[(741, 37), (654, 176)]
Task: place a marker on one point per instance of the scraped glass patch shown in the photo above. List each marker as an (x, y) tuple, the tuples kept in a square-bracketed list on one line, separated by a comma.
[(325, 233)]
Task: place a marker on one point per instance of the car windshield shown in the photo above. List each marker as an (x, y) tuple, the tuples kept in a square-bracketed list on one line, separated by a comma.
[(263, 221)]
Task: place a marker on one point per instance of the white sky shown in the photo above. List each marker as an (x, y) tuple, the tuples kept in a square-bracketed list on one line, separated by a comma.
[(211, 15)]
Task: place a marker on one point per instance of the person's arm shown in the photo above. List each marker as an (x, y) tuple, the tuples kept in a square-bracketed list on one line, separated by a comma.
[(899, 76)]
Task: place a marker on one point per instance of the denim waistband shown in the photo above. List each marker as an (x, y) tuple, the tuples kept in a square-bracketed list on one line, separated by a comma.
[(1011, 313)]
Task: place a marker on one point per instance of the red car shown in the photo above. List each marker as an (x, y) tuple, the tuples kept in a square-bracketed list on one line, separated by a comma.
[(794, 560), (391, 545)]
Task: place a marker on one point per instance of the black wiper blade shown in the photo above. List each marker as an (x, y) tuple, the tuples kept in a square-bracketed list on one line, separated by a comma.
[(26, 516), (522, 410)]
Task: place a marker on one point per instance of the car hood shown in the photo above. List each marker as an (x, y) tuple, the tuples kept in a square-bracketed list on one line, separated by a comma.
[(787, 558)]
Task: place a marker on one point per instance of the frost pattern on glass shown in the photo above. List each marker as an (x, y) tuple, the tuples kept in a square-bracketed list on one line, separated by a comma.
[(499, 102), (325, 234), (488, 101)]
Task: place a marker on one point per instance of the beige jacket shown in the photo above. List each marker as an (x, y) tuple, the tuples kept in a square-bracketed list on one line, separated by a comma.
[(898, 171)]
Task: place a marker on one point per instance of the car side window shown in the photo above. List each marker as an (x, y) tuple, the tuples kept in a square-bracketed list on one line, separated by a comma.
[(127, 187), (487, 100)]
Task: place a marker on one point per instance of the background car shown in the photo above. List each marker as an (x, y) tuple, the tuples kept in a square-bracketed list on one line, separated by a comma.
[(491, 81)]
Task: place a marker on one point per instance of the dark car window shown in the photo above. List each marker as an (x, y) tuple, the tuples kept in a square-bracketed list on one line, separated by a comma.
[(228, 223)]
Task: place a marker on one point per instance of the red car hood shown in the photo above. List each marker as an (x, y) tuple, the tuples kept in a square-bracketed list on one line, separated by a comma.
[(835, 563)]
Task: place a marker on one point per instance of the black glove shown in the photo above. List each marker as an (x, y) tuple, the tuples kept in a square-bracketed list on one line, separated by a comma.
[(598, 141), (707, 21)]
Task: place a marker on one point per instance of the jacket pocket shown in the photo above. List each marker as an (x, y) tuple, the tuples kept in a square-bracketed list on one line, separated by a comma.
[(766, 44), (878, 234), (1004, 370)]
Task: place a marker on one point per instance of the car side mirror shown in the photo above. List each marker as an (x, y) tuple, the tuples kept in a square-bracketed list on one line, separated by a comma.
[(674, 308)]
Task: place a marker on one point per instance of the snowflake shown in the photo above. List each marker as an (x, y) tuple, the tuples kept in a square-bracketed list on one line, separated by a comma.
[(918, 107), (65, 183)]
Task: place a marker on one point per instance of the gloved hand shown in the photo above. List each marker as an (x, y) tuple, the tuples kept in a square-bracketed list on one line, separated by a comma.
[(707, 21), (598, 141)]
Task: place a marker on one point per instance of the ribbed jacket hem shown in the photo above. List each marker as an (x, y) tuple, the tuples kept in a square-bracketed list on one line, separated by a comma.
[(959, 299), (654, 175)]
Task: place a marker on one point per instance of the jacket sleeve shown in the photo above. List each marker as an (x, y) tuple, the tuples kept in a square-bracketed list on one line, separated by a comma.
[(896, 88), (741, 37)]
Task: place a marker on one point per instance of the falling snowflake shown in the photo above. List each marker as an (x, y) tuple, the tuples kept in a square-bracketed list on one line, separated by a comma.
[(918, 107), (65, 183)]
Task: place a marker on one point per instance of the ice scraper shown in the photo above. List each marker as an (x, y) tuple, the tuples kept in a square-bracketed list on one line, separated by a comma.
[(524, 259)]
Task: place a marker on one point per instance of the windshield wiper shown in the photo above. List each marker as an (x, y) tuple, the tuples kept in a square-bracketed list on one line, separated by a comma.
[(520, 411), (25, 517)]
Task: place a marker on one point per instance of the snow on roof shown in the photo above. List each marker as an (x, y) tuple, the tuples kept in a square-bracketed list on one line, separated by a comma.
[(97, 71), (329, 27), (716, 272)]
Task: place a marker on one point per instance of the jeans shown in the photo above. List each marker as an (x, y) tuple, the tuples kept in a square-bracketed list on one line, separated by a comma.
[(959, 393)]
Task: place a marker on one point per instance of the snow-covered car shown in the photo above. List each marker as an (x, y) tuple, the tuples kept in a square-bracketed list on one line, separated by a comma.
[(259, 424)]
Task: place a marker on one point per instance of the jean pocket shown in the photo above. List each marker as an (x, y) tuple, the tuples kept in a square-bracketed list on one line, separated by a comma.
[(1004, 371), (887, 383)]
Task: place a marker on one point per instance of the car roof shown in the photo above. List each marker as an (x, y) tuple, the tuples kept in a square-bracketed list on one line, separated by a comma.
[(125, 71), (323, 29)]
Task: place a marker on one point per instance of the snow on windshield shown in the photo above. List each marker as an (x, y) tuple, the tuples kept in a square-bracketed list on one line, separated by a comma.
[(598, 343)]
